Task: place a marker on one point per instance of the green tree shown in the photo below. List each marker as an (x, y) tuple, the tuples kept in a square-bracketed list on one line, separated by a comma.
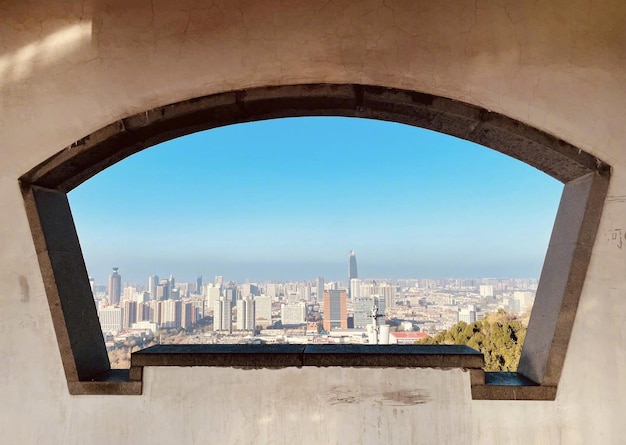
[(499, 337)]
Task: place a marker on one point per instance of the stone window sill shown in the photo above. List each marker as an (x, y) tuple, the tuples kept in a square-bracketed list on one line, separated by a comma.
[(489, 386)]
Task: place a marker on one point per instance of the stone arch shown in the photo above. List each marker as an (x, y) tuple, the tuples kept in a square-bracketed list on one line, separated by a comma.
[(74, 315)]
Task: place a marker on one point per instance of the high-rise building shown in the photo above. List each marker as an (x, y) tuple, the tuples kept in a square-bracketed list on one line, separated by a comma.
[(211, 295), (363, 310), (171, 316), (174, 294), (130, 313), (263, 310), (115, 287), (184, 289), (153, 281), (272, 290), (320, 288), (355, 289), (222, 315), (388, 292), (142, 297), (219, 280), (293, 313), (335, 309), (248, 289), (292, 297), (199, 285), (245, 314), (524, 301), (128, 293), (156, 311), (385, 290), (144, 312), (230, 293), (110, 319), (188, 315), (352, 272), (468, 315), (486, 290), (163, 290), (305, 291)]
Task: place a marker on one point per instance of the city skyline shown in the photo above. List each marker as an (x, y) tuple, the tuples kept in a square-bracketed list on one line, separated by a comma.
[(286, 199), (189, 278)]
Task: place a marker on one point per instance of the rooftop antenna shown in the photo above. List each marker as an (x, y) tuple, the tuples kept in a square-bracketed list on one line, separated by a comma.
[(375, 328)]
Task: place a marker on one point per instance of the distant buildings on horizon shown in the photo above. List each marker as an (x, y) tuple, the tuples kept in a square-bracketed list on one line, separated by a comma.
[(251, 307)]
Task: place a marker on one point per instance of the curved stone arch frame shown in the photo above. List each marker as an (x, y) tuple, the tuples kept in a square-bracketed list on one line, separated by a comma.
[(73, 311)]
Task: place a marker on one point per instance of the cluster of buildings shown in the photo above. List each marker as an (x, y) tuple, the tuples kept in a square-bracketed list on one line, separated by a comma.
[(308, 311), (164, 304)]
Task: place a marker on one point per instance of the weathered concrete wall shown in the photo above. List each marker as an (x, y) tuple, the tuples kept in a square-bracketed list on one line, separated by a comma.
[(69, 68)]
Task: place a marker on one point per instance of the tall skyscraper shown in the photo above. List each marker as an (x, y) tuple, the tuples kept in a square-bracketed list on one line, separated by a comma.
[(171, 316), (199, 285), (163, 290), (263, 311), (388, 292), (129, 314), (153, 281), (352, 273), (219, 280), (355, 289), (115, 287), (363, 310), (305, 291), (211, 295), (248, 289), (187, 315), (230, 293), (335, 309), (128, 293), (222, 320), (245, 314), (320, 288)]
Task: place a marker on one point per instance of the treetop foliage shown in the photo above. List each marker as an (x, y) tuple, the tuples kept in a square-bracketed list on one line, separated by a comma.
[(499, 337)]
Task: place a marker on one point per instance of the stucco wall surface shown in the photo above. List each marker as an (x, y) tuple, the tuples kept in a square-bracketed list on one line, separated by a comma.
[(68, 68)]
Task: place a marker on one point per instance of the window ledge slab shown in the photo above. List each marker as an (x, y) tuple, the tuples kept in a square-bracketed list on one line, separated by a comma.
[(280, 356), (484, 385)]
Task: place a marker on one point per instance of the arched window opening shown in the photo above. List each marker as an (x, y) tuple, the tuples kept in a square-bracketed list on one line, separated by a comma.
[(230, 236), (74, 312)]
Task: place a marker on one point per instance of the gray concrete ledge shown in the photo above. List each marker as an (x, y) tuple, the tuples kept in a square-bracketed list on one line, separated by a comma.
[(240, 356), (280, 356), (401, 356)]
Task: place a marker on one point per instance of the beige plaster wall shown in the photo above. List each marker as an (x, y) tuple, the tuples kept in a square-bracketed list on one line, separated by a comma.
[(68, 68)]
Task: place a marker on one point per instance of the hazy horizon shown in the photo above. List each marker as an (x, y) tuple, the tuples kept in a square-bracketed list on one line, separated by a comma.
[(231, 273)]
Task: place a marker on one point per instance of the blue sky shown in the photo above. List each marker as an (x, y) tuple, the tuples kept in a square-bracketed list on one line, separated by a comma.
[(289, 198)]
